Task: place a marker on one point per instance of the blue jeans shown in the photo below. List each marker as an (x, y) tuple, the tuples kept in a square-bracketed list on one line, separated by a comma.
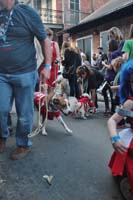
[(21, 89)]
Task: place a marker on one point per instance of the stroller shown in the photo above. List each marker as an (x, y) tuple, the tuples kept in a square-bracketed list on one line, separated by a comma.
[(121, 165)]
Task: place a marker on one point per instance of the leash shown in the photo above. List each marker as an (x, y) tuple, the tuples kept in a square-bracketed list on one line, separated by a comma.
[(45, 87), (39, 125)]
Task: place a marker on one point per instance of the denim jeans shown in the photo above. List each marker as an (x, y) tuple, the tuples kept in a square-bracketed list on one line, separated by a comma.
[(21, 89)]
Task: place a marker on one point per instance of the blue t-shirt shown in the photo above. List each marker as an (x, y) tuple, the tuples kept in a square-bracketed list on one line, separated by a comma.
[(125, 85), (17, 31)]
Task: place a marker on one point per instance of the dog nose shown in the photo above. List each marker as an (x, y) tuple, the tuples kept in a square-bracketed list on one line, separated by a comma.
[(69, 112)]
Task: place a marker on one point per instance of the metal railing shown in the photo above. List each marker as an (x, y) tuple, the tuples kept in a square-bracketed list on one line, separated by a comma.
[(51, 16), (72, 17), (58, 17)]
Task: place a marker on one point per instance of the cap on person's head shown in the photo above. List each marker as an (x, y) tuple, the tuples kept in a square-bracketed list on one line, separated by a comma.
[(100, 48)]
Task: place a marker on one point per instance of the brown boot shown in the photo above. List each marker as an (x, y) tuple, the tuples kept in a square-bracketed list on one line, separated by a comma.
[(2, 144), (20, 152)]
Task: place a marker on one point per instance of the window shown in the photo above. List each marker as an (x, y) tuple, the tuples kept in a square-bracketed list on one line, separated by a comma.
[(74, 11), (86, 45), (74, 5)]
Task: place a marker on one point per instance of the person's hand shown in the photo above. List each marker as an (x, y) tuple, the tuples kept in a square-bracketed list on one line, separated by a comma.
[(119, 147), (44, 74)]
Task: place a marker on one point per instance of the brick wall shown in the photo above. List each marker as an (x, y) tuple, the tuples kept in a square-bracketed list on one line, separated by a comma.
[(85, 6), (99, 3), (58, 5)]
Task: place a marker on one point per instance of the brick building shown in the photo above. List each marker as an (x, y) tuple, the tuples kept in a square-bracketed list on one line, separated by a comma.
[(61, 14), (91, 32)]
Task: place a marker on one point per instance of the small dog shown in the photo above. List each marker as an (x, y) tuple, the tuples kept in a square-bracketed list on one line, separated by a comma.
[(62, 86), (52, 112), (80, 108)]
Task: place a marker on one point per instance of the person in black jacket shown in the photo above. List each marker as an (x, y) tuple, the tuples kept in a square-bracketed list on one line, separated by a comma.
[(72, 60)]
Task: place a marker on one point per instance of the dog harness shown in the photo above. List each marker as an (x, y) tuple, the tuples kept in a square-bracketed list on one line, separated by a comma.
[(53, 111)]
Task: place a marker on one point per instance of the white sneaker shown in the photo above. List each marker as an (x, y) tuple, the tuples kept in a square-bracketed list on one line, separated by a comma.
[(99, 90)]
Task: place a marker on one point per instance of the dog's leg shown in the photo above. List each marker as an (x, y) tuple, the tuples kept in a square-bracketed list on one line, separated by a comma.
[(60, 119), (44, 132), (43, 128)]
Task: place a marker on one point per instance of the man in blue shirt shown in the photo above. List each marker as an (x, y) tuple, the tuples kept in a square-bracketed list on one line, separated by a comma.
[(19, 25)]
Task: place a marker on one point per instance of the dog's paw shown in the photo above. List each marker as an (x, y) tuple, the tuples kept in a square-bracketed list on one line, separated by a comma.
[(44, 132), (84, 117), (69, 131)]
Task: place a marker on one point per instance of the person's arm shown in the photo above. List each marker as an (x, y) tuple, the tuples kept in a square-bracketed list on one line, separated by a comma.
[(126, 51), (57, 52), (112, 122), (114, 88), (115, 139), (106, 65), (37, 29), (125, 56), (47, 53)]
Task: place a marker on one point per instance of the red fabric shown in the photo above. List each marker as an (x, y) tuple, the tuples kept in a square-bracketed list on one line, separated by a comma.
[(51, 115), (131, 98), (54, 67), (123, 162), (117, 163), (39, 96), (129, 166), (86, 101)]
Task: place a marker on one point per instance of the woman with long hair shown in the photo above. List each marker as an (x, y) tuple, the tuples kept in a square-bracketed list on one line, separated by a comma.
[(115, 45), (54, 64), (72, 60)]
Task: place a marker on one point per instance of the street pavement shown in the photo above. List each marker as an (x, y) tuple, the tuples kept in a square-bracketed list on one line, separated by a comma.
[(78, 164)]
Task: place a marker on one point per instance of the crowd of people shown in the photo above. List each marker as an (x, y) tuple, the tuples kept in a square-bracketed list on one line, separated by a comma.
[(109, 73)]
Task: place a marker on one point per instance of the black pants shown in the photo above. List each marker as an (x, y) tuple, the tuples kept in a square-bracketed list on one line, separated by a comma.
[(105, 91), (74, 87)]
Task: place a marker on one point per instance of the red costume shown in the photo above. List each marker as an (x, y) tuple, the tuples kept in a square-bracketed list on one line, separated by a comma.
[(52, 111), (54, 67), (86, 102)]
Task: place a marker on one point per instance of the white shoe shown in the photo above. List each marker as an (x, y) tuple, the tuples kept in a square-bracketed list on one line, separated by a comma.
[(100, 89)]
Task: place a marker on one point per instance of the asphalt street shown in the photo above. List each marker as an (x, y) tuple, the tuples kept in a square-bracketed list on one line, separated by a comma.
[(78, 164)]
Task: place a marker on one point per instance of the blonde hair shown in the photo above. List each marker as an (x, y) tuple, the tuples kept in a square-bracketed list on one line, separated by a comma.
[(118, 36), (65, 45), (117, 62)]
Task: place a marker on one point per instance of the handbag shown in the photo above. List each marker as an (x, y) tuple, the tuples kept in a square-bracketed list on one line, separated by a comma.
[(68, 72)]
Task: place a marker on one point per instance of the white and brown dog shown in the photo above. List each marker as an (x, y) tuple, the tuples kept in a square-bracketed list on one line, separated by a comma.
[(53, 111), (79, 108)]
